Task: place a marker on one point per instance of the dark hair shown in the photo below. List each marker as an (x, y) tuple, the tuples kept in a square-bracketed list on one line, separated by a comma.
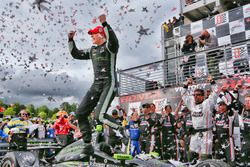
[(187, 38), (168, 105), (201, 91), (146, 105)]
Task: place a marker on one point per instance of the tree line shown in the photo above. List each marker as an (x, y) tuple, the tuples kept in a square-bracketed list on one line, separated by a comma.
[(43, 111)]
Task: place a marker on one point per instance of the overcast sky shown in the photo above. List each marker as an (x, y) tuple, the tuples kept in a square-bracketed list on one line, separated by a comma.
[(36, 67)]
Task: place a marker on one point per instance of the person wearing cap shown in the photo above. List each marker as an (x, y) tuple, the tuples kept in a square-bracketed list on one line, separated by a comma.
[(146, 126), (113, 137), (102, 92), (223, 148)]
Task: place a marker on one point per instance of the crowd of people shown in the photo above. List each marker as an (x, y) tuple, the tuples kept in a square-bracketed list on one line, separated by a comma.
[(168, 27), (203, 126)]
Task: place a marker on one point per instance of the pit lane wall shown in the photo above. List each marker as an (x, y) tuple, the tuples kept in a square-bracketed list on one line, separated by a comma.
[(172, 95)]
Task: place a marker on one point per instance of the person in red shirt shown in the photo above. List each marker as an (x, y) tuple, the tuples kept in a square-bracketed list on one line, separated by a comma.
[(62, 127)]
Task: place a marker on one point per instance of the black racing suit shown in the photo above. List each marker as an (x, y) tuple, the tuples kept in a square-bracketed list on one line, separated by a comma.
[(168, 142), (245, 154), (146, 124), (103, 90)]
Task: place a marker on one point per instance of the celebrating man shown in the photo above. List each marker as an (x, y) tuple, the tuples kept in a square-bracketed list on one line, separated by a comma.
[(98, 98)]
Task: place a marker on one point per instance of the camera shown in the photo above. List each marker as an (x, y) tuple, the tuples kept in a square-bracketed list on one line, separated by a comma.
[(202, 37)]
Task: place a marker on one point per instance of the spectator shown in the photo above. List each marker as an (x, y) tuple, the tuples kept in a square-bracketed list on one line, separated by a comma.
[(201, 111), (19, 122), (165, 26), (50, 131), (3, 136), (62, 127), (189, 2), (210, 41), (175, 22), (170, 25), (189, 47), (181, 19)]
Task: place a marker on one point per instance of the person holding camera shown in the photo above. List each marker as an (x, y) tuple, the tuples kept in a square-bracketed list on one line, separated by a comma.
[(209, 41)]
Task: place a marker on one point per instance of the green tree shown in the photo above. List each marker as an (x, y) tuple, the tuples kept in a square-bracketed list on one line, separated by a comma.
[(43, 108), (52, 112), (31, 109), (9, 111), (53, 117), (16, 107), (73, 107), (65, 106), (42, 115)]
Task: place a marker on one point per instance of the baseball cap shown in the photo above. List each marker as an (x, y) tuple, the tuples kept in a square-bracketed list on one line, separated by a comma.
[(221, 103), (96, 30), (114, 112)]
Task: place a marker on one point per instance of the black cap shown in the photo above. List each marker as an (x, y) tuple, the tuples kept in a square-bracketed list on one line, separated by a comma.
[(114, 112), (221, 103)]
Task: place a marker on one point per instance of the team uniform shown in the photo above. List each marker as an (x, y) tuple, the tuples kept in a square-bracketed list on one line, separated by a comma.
[(168, 142), (134, 134), (103, 89), (223, 148), (245, 154), (147, 133), (202, 137)]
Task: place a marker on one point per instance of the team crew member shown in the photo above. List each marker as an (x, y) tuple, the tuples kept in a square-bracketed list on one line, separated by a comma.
[(245, 154), (201, 112), (168, 142), (102, 91), (224, 149), (146, 125)]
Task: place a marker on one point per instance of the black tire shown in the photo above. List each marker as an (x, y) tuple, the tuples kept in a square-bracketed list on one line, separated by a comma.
[(9, 160), (212, 163)]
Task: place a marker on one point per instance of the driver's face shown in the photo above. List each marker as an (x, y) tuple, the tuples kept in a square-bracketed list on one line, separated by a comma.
[(97, 39)]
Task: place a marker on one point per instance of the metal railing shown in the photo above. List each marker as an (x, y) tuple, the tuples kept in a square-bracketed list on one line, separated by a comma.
[(4, 147), (220, 62)]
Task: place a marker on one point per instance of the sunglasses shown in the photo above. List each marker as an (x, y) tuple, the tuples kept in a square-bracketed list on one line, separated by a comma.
[(24, 114)]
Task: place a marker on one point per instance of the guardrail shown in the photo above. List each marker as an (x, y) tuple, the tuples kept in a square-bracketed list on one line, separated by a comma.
[(220, 62), (4, 147)]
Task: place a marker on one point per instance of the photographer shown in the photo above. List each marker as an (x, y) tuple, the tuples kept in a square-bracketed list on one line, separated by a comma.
[(209, 41)]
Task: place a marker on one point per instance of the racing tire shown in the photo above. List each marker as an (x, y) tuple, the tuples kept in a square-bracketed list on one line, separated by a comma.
[(212, 163), (9, 160)]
